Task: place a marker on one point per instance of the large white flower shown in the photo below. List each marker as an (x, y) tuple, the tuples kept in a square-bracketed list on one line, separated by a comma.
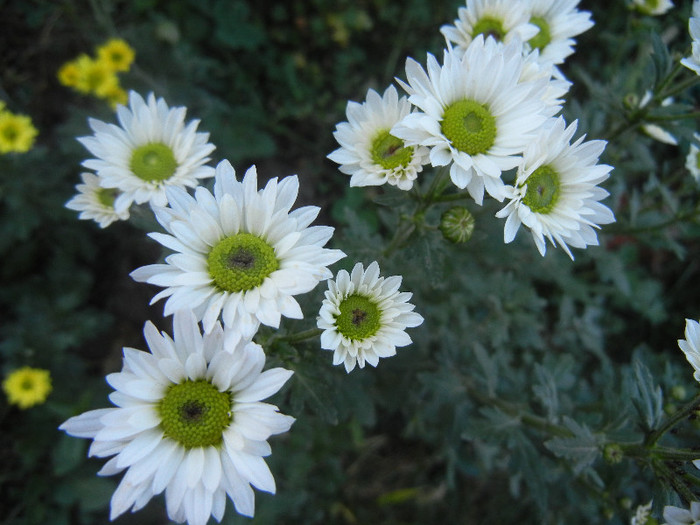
[(241, 253), (477, 115), (556, 192), (691, 345), (558, 22), (95, 202), (151, 150), (364, 317), (503, 20), (369, 152), (693, 61), (189, 421)]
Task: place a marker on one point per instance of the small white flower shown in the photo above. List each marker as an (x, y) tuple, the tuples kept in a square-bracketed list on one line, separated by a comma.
[(678, 516), (691, 345), (95, 202), (556, 192), (692, 161), (558, 22), (369, 152), (364, 317), (477, 116), (641, 515), (241, 254), (502, 20), (151, 149), (652, 7), (693, 61), (189, 420)]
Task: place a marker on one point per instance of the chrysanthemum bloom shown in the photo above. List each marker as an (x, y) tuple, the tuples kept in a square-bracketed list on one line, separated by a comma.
[(94, 77), (188, 421), (116, 96), (95, 202), (558, 22), (69, 74), (364, 317), (369, 152), (652, 7), (678, 516), (692, 161), (17, 133), (691, 345), (476, 114), (26, 386), (556, 192), (151, 150), (502, 20), (117, 54), (241, 253), (693, 61)]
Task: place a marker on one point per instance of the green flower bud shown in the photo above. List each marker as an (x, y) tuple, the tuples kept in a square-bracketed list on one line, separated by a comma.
[(457, 224), (612, 452)]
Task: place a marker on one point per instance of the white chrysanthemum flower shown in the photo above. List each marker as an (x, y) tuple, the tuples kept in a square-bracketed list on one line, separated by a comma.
[(476, 114), (558, 22), (188, 421), (691, 345), (692, 161), (151, 150), (364, 317), (95, 202), (693, 61), (652, 7), (535, 69), (653, 130), (556, 192), (369, 152), (242, 254), (678, 516), (502, 20)]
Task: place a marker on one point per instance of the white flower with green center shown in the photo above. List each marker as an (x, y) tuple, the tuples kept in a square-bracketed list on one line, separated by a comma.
[(556, 193), (558, 22), (652, 7), (369, 152), (151, 150), (678, 516), (502, 20), (365, 316), (95, 202), (189, 420), (477, 115), (692, 161), (241, 253), (693, 61)]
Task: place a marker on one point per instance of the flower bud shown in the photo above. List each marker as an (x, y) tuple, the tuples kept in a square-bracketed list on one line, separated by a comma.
[(457, 224)]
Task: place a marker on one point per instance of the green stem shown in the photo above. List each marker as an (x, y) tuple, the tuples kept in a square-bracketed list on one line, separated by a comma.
[(298, 337), (678, 416), (660, 95), (662, 471), (659, 226), (661, 118)]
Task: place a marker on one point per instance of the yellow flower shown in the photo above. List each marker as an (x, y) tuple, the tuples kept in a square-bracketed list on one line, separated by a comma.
[(16, 133), (116, 95), (69, 74), (117, 54), (95, 76), (27, 386)]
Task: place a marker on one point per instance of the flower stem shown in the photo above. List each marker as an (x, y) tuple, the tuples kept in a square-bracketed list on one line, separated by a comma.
[(675, 418)]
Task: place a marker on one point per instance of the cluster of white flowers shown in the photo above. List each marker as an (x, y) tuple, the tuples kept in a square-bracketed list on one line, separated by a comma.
[(488, 107)]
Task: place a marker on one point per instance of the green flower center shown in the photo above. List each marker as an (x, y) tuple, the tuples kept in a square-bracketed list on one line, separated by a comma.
[(544, 37), (153, 162), (542, 190), (489, 26), (10, 133), (241, 262), (27, 384), (195, 413), (469, 126), (359, 317), (106, 196), (389, 152)]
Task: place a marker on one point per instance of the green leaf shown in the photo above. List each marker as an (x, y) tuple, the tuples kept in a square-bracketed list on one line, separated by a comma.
[(582, 449)]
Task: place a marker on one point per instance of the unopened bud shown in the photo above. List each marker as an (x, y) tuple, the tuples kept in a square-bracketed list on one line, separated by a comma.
[(457, 224)]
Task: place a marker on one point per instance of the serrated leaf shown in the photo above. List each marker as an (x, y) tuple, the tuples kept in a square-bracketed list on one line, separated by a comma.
[(581, 449), (649, 399)]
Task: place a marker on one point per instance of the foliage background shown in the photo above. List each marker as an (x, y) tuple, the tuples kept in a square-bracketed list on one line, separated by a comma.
[(464, 425)]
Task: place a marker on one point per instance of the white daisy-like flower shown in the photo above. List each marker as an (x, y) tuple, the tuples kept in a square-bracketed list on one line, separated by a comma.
[(476, 114), (678, 516), (558, 22), (369, 152), (691, 345), (502, 20), (365, 316), (241, 254), (150, 150), (95, 202), (189, 420), (692, 160), (556, 193), (693, 61), (557, 86), (652, 7)]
